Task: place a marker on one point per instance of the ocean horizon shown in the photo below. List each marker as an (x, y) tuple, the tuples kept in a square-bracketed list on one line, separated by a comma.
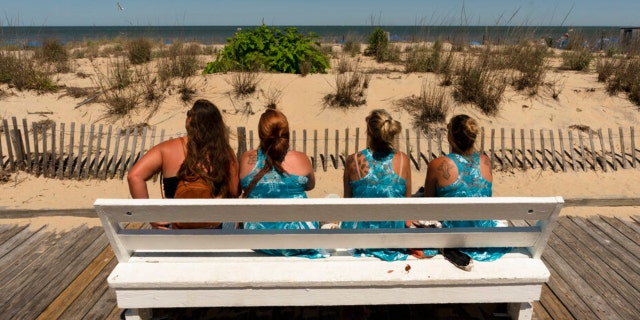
[(35, 35)]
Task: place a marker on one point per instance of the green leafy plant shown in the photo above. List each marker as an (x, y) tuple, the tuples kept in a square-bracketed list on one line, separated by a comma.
[(271, 49), (378, 45)]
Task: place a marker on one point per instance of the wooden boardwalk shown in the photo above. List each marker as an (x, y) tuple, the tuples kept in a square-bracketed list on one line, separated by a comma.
[(594, 263)]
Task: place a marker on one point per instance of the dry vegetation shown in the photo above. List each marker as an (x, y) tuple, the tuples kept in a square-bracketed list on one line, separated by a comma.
[(139, 74)]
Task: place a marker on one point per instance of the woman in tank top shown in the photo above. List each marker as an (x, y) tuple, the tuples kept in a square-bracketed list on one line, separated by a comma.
[(205, 152), (379, 171)]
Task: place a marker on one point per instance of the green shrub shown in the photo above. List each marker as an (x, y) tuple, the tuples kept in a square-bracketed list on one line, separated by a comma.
[(271, 49), (22, 70), (378, 45), (139, 50), (423, 59)]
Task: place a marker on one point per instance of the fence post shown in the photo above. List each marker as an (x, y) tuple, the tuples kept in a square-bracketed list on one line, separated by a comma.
[(613, 150), (242, 141), (17, 144), (36, 148), (85, 173), (622, 148), (315, 150), (79, 162), (61, 161), (533, 149), (604, 150), (12, 164), (96, 166), (27, 144), (16, 139), (523, 150)]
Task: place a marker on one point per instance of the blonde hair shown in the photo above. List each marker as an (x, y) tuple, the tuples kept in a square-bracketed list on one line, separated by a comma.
[(382, 130), (464, 131)]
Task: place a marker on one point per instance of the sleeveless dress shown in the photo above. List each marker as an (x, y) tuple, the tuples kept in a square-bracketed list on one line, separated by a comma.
[(380, 182), (470, 183), (275, 185)]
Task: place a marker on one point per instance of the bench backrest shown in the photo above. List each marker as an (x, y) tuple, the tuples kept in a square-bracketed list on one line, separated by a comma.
[(115, 213)]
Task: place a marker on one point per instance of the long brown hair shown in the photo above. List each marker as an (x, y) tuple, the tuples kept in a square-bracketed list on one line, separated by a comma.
[(209, 154), (273, 130)]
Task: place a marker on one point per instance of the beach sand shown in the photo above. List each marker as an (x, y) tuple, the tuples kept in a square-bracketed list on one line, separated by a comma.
[(582, 101)]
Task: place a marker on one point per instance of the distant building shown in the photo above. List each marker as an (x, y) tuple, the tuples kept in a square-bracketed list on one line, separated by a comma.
[(629, 35)]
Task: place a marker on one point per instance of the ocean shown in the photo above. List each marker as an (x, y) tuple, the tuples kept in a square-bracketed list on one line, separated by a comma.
[(34, 36)]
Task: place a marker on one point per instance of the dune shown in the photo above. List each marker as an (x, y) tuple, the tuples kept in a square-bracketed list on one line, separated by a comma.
[(582, 101)]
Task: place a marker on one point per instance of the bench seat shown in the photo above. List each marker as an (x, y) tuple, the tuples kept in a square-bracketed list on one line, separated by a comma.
[(217, 268)]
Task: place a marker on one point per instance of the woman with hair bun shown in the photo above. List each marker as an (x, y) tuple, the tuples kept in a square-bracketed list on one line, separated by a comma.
[(274, 171), (464, 172), (379, 171)]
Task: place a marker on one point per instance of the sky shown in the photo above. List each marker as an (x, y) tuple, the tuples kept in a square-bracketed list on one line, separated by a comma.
[(320, 12)]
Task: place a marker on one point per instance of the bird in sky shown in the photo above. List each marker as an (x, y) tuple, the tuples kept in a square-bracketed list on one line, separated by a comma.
[(119, 6)]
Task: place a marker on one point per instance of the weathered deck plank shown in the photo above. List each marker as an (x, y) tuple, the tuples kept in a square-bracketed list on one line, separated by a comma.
[(71, 260), (594, 274), (603, 280), (70, 294)]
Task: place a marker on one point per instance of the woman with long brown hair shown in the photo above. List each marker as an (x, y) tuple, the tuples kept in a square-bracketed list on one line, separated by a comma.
[(204, 154)]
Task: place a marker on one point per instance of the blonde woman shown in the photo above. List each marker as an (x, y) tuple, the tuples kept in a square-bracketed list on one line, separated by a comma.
[(379, 171)]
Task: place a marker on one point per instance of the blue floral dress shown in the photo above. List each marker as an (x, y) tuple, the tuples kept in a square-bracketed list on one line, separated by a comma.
[(470, 183), (275, 185), (380, 182)]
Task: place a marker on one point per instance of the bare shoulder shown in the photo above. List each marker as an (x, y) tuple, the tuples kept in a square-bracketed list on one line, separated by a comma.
[(249, 157), (297, 156), (484, 160)]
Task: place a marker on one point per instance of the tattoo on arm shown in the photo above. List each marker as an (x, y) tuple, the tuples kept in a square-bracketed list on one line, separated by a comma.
[(253, 159), (444, 169)]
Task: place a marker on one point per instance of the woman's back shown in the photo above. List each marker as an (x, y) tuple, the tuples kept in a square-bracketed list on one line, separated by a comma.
[(274, 184), (380, 181), (469, 181)]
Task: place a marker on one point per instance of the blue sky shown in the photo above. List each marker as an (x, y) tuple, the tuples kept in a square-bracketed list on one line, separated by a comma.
[(320, 12)]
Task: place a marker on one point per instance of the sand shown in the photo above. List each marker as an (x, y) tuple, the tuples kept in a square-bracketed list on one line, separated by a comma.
[(582, 101)]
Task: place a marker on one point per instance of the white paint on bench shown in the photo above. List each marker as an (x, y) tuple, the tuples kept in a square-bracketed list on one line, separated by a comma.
[(199, 268)]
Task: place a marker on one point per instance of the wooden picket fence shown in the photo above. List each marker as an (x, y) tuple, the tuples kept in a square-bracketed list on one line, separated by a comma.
[(103, 152)]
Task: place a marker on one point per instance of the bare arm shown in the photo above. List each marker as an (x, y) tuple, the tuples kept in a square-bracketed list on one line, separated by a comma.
[(234, 181), (346, 177), (145, 168), (406, 172)]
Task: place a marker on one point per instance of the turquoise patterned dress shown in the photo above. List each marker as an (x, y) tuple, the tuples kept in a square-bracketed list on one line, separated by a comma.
[(470, 183), (380, 182), (275, 185)]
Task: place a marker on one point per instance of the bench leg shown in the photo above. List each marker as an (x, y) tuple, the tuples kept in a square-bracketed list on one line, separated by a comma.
[(137, 314), (520, 311)]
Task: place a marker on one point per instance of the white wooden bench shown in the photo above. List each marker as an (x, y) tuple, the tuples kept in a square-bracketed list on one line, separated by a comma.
[(216, 268)]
